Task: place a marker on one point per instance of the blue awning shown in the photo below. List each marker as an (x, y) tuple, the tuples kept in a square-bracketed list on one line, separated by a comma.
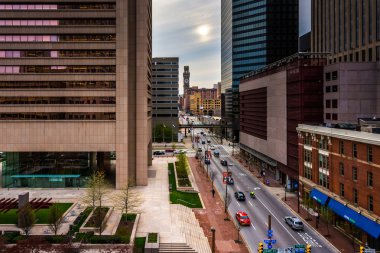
[(362, 222), (319, 196)]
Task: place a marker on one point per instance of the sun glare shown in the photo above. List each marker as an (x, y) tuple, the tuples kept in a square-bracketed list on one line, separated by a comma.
[(203, 30)]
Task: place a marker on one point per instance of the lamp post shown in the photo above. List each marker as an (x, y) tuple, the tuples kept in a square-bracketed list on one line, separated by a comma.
[(213, 240), (233, 145), (173, 131), (163, 132)]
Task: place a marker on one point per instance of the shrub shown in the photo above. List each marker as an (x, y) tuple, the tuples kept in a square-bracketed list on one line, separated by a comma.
[(55, 239), (105, 239), (152, 237)]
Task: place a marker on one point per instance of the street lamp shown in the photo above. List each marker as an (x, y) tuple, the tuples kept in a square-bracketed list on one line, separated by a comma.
[(213, 240), (233, 145), (173, 131)]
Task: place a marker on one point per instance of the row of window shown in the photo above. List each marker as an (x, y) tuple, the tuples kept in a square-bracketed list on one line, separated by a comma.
[(56, 54), (363, 57), (333, 88), (56, 100), (165, 102), (355, 151), (58, 116), (355, 174), (331, 116), (165, 89), (332, 103), (59, 6), (165, 115), (165, 76), (61, 22), (355, 197), (58, 85), (57, 69), (165, 108), (57, 38), (331, 76)]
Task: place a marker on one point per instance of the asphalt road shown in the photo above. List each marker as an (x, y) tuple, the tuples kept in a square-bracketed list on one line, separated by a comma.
[(259, 208)]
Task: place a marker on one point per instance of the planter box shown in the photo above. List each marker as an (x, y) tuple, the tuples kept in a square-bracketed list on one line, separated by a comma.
[(185, 188), (84, 229), (152, 247)]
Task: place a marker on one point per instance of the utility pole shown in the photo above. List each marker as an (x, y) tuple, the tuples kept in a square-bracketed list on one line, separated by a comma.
[(213, 240)]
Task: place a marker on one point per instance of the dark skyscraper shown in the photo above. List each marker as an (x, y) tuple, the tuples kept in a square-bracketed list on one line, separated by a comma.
[(254, 34)]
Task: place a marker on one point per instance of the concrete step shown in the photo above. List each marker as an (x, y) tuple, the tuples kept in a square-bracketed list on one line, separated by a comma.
[(175, 248)]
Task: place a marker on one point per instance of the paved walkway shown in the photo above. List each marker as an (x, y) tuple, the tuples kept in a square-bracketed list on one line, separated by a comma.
[(213, 215), (335, 237)]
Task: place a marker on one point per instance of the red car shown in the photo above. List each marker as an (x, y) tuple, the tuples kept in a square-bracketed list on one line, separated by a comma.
[(243, 218)]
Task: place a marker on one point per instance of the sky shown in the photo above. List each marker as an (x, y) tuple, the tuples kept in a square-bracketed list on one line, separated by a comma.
[(190, 30)]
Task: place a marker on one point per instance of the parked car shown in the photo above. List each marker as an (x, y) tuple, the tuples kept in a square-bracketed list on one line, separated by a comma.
[(294, 222), (216, 153), (208, 141), (240, 196), (169, 150), (230, 180), (212, 147), (203, 142), (223, 162), (159, 152), (181, 151), (243, 218), (199, 149)]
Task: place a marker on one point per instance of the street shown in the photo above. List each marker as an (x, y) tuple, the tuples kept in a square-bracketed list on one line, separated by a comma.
[(259, 208)]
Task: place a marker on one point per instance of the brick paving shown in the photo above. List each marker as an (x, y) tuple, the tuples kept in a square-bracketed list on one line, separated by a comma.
[(213, 215)]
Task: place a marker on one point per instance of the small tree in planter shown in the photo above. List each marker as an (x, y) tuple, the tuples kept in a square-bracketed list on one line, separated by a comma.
[(26, 218), (54, 218)]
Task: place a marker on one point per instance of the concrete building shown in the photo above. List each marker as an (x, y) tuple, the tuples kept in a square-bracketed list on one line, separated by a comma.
[(349, 30), (273, 101), (339, 170), (251, 31), (165, 84), (75, 90), (352, 91)]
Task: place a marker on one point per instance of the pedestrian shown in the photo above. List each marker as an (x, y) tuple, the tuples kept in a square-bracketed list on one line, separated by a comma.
[(213, 192)]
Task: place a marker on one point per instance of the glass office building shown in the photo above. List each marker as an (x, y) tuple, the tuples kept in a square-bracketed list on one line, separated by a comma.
[(254, 33)]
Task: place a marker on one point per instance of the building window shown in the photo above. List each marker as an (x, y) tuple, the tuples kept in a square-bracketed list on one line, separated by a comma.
[(328, 76), (369, 179), (341, 169), (334, 116), (307, 140), (334, 103), (363, 55), (328, 89), (328, 103), (341, 189), (323, 162), (341, 147), (334, 88), (308, 172), (323, 144), (369, 54), (328, 116), (324, 180), (378, 53), (355, 196), (307, 156), (334, 75), (354, 173), (354, 150), (370, 203), (369, 154)]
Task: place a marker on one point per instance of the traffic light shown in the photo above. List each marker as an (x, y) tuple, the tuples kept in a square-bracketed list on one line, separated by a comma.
[(308, 248), (260, 249), (361, 249)]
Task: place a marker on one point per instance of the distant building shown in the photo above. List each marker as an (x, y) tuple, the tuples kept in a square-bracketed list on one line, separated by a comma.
[(251, 31), (204, 101), (339, 171), (186, 86), (218, 87), (273, 101), (349, 30), (165, 85), (304, 43)]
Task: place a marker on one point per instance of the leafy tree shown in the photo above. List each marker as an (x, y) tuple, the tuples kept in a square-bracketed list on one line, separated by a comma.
[(55, 218), (308, 203), (26, 218), (327, 216)]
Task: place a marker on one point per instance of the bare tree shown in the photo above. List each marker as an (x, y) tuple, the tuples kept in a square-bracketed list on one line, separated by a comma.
[(26, 218), (127, 200), (227, 202), (55, 218)]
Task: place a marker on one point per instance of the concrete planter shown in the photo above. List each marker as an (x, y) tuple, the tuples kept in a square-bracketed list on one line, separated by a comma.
[(152, 247), (191, 179), (84, 229)]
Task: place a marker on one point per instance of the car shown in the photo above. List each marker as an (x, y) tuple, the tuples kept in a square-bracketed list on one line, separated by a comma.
[(240, 196), (158, 152), (294, 222), (203, 142), (169, 150), (243, 218), (223, 162), (199, 149), (181, 151), (230, 180), (207, 161), (212, 147), (208, 141), (216, 153)]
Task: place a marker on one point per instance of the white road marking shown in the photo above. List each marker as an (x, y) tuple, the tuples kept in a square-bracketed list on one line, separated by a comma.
[(253, 226), (279, 221), (238, 203), (250, 203)]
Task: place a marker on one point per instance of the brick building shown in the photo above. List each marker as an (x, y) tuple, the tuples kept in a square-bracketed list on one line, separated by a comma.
[(339, 169)]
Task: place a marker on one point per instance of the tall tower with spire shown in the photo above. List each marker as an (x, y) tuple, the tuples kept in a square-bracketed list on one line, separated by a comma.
[(186, 78)]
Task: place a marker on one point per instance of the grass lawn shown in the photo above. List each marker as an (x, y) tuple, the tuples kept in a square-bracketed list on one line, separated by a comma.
[(42, 215), (184, 198)]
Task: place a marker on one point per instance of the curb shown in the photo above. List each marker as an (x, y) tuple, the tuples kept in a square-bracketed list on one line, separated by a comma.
[(134, 231), (287, 207)]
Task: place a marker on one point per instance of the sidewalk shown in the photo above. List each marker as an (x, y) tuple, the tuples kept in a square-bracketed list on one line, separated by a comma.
[(213, 215), (335, 237)]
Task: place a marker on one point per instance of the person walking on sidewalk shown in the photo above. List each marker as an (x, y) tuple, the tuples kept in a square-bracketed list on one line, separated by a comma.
[(213, 192)]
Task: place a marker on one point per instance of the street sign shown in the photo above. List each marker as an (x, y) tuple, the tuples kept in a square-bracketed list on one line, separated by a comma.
[(369, 251), (270, 251), (270, 241)]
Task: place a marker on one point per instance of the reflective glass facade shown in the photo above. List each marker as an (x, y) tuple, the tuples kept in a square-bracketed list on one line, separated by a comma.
[(51, 170)]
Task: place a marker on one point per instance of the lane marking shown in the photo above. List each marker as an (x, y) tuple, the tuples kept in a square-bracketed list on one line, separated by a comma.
[(250, 203), (238, 204), (278, 221), (253, 226)]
